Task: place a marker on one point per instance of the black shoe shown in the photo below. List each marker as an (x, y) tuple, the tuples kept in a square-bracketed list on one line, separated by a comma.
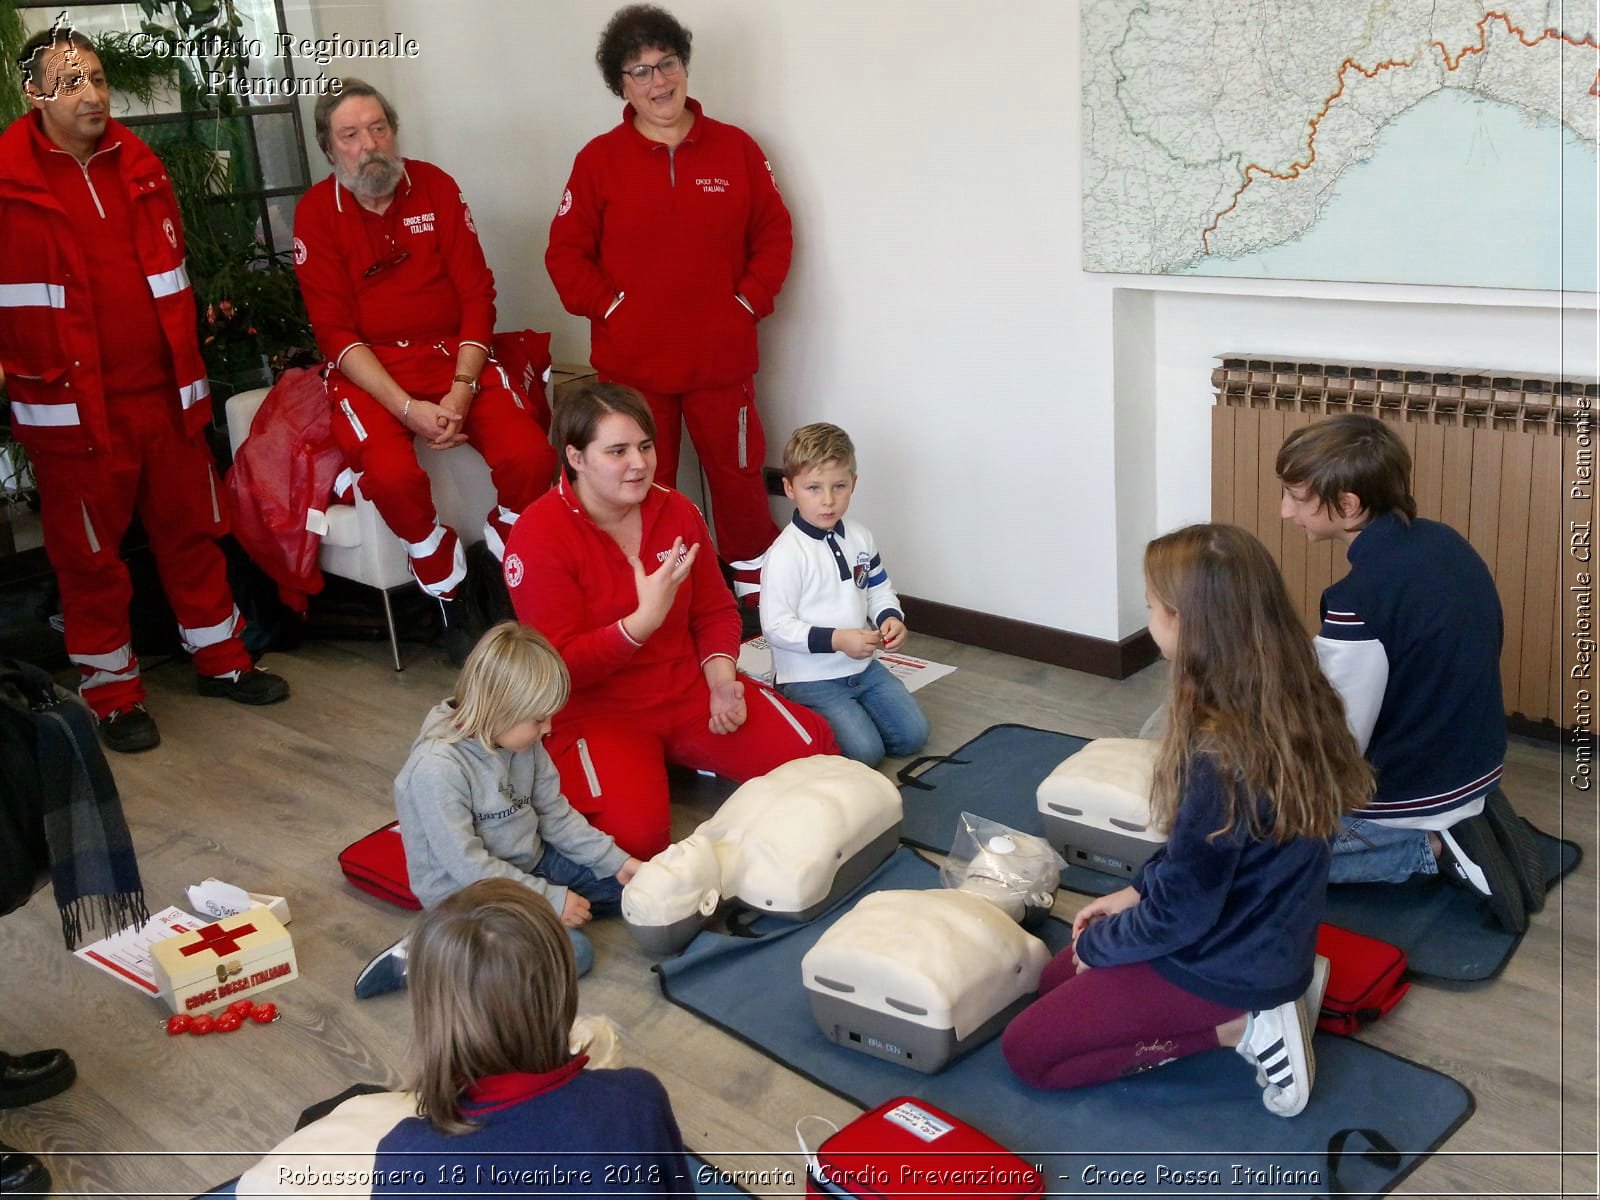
[(749, 618), (22, 1174), (30, 1078), (254, 686), (458, 639), (127, 730), (1471, 857), (1521, 851)]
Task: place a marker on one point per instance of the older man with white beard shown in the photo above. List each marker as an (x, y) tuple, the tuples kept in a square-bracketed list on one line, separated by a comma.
[(402, 305)]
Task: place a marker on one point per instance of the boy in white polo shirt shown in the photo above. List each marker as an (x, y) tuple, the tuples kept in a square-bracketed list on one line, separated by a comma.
[(827, 606)]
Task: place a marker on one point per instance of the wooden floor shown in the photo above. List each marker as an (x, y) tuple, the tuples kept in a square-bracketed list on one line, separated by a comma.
[(266, 797)]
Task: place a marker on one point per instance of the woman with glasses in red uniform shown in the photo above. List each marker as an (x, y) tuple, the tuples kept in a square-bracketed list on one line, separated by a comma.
[(672, 239)]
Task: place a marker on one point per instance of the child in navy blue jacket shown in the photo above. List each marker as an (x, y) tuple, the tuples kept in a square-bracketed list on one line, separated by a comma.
[(497, 1092), (1214, 944)]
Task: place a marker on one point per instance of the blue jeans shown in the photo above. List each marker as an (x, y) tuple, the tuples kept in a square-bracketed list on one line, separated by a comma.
[(604, 895), (871, 713), (1376, 852)]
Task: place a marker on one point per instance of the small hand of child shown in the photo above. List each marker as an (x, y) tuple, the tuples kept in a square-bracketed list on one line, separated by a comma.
[(628, 871), (1103, 906), (576, 910), (893, 630), (857, 643)]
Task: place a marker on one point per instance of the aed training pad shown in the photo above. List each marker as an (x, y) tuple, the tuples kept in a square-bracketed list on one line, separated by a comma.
[(1197, 1116), (996, 775)]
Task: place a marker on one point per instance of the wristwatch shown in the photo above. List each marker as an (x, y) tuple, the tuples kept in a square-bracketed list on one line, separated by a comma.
[(468, 380)]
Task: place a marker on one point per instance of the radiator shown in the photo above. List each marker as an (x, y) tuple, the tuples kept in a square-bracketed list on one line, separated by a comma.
[(1506, 460)]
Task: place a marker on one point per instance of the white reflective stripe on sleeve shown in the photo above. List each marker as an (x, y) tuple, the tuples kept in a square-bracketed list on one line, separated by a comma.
[(317, 522), (32, 295), (339, 358), (344, 483), (211, 635), (787, 715), (428, 544), (169, 283), (191, 394), (44, 414)]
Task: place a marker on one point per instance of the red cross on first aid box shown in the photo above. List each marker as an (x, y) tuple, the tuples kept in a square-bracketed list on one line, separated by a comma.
[(217, 963)]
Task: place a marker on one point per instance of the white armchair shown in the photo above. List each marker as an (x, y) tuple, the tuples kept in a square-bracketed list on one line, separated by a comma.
[(358, 545)]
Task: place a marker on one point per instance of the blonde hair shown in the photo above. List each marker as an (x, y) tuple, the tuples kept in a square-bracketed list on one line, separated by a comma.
[(1246, 689), (494, 990), (817, 445), (512, 675)]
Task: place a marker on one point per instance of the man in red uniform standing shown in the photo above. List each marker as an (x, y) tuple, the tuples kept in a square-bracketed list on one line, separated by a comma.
[(402, 305), (108, 391)]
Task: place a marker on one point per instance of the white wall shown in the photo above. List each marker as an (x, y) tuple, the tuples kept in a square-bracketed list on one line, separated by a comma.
[(1023, 427)]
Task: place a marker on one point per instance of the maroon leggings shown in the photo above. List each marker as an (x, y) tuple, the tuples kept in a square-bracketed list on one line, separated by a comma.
[(1106, 1023)]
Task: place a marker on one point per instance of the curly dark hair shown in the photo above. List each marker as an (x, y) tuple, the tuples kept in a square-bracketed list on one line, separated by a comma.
[(632, 30)]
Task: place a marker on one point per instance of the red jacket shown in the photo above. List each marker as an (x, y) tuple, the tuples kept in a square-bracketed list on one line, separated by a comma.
[(569, 580), (49, 348), (441, 290), (281, 482), (679, 235)]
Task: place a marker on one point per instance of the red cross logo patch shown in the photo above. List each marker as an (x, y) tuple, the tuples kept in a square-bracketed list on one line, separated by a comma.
[(217, 940)]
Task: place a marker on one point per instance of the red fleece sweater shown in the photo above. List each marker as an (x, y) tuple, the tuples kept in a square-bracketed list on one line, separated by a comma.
[(416, 272), (679, 234)]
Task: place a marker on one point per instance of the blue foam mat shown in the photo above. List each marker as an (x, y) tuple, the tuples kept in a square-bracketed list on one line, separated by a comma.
[(1200, 1114), (1447, 933)]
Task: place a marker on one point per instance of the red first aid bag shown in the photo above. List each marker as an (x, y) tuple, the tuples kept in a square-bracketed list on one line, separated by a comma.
[(907, 1147), (377, 865), (1365, 979)]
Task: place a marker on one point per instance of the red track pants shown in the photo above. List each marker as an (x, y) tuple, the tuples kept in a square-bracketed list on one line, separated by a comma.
[(499, 426), (726, 430), (87, 502), (614, 770)]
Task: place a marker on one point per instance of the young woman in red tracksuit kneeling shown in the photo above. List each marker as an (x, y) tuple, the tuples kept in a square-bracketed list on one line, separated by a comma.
[(617, 572)]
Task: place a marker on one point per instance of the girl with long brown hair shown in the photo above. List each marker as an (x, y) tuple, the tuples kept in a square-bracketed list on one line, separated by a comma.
[(1214, 944)]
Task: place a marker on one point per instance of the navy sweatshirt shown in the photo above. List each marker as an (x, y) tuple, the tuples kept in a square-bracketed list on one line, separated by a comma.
[(1411, 639), (1230, 919), (569, 1132)]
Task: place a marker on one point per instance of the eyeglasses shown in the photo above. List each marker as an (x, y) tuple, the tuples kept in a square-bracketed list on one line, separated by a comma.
[(670, 67), (383, 264)]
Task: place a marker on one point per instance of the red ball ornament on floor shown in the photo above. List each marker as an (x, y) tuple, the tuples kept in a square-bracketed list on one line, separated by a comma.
[(178, 1023), (228, 1022), (265, 1013), (242, 1007), (202, 1025)]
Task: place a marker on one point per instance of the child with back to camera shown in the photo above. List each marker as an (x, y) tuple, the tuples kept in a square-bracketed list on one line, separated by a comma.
[(1214, 944), (827, 606), (498, 1087), (1410, 639), (480, 798)]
